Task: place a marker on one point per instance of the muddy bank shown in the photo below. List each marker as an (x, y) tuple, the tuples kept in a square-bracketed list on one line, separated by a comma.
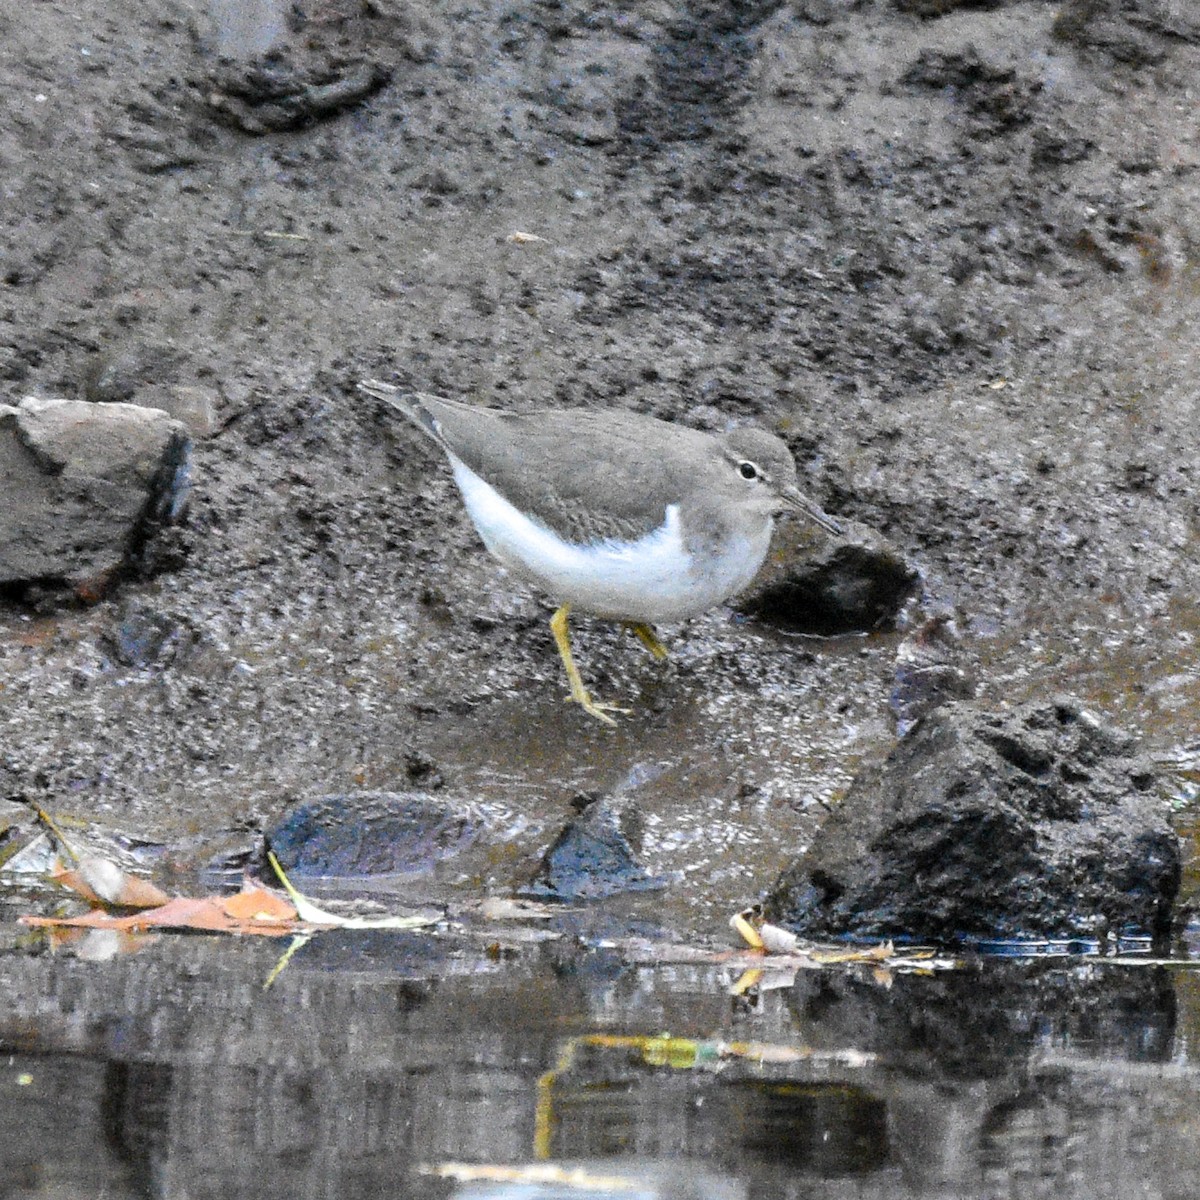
[(950, 256)]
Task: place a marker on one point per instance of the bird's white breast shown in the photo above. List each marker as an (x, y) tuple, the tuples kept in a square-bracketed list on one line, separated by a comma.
[(650, 579)]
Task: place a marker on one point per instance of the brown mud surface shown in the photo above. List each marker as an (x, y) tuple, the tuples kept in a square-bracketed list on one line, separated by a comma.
[(949, 250)]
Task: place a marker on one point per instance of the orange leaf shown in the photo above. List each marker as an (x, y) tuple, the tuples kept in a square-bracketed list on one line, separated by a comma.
[(100, 881), (255, 903), (252, 910)]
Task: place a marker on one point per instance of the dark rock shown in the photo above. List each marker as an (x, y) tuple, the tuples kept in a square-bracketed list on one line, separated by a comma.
[(371, 833), (595, 855), (83, 487), (851, 584), (1040, 822)]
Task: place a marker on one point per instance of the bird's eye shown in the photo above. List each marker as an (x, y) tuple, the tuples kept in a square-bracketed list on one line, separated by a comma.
[(749, 470)]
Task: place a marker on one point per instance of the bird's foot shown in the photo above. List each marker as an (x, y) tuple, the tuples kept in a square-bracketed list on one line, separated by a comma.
[(598, 709), (579, 693)]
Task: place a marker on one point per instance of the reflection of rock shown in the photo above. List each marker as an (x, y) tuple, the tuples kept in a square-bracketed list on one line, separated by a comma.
[(768, 1128), (987, 1019), (1038, 822), (83, 487), (828, 1129), (371, 833), (854, 583), (596, 854), (974, 1058)]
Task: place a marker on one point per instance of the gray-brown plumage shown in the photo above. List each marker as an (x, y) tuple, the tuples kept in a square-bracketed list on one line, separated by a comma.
[(657, 522), (554, 462)]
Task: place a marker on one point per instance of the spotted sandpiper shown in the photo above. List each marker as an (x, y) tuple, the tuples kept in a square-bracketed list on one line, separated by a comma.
[(619, 515)]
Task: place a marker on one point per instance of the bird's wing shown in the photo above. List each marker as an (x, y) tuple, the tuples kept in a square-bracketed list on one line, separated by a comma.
[(587, 475)]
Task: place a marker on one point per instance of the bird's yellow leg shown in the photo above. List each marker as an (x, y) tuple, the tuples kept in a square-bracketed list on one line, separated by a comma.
[(648, 638), (562, 639)]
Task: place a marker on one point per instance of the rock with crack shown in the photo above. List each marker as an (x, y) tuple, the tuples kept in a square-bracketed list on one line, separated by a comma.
[(84, 488), (1035, 823)]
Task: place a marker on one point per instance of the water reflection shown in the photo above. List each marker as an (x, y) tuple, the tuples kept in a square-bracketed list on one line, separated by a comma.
[(173, 1073), (986, 1019)]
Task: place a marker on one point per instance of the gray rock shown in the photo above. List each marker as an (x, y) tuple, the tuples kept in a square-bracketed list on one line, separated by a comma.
[(83, 487), (1039, 822)]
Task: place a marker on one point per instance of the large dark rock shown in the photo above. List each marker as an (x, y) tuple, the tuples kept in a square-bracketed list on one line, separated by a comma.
[(1040, 822), (83, 487)]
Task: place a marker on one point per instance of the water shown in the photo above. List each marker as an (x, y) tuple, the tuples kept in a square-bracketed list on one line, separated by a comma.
[(374, 1059)]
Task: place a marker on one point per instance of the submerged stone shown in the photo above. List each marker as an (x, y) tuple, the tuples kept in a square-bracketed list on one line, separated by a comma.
[(595, 855), (371, 833), (1039, 822)]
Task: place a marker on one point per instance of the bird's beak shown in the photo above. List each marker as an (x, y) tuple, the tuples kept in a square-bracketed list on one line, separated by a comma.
[(797, 501)]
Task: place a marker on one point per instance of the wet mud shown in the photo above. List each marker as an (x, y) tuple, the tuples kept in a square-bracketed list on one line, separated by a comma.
[(949, 258), (948, 251)]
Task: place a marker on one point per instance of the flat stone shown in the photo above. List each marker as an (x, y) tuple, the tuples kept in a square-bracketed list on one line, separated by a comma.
[(363, 834), (596, 854)]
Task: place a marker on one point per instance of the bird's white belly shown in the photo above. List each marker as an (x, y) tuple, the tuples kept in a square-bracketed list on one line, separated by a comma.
[(650, 579)]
